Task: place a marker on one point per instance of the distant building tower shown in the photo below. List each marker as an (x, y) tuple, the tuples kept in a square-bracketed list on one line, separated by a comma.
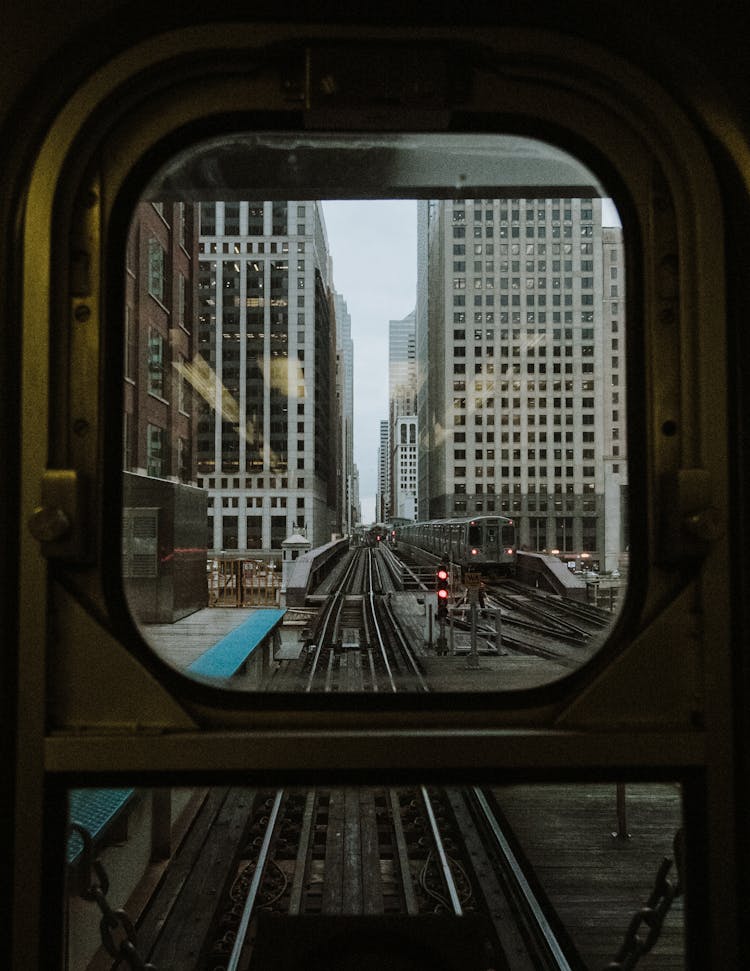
[(356, 503), (518, 400), (345, 350), (267, 432), (405, 468), (402, 365), (402, 402), (383, 499)]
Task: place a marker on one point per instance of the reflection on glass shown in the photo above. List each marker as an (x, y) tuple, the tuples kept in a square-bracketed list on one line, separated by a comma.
[(455, 877), (499, 445)]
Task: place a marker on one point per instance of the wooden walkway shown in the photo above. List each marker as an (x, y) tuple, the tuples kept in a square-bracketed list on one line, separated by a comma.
[(596, 881)]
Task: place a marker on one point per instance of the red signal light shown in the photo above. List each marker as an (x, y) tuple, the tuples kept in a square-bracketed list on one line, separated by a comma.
[(474, 551), (443, 591)]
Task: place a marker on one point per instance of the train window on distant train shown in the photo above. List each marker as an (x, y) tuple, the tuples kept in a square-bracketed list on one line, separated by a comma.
[(289, 413)]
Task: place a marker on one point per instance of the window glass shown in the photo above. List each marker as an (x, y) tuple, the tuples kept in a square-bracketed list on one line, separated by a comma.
[(531, 504)]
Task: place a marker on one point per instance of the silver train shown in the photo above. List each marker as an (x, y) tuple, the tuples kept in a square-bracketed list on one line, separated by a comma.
[(483, 543)]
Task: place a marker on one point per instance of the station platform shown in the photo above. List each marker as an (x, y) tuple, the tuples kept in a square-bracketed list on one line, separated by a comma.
[(595, 873), (183, 643)]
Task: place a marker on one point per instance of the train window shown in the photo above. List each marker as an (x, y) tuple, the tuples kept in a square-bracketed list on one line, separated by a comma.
[(269, 539), (219, 877)]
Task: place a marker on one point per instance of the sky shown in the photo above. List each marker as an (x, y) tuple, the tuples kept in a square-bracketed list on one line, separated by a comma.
[(374, 249)]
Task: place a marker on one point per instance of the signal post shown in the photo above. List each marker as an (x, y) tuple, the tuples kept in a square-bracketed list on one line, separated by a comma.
[(473, 583), (442, 586)]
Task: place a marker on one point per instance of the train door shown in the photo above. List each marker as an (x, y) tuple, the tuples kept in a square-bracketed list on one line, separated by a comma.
[(491, 542), (92, 703)]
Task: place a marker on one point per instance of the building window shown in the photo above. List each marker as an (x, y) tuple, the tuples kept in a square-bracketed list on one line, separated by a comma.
[(155, 465), (156, 269), (156, 363)]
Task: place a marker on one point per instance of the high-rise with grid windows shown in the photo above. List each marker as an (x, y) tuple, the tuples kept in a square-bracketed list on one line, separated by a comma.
[(402, 404), (521, 370), (266, 367)]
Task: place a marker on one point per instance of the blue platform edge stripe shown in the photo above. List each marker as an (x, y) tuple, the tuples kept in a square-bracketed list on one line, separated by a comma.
[(228, 654), (94, 809)]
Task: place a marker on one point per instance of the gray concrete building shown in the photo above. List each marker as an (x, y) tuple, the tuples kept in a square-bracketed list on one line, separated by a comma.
[(404, 459), (519, 379)]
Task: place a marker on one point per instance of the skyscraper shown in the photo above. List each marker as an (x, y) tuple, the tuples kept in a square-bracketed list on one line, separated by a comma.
[(402, 401), (383, 495), (267, 423), (402, 366), (345, 353), (517, 376)]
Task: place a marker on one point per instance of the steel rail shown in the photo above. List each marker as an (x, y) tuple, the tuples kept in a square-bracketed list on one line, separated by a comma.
[(574, 635), (450, 883), (239, 941), (406, 650), (381, 641), (328, 618), (525, 896), (331, 616)]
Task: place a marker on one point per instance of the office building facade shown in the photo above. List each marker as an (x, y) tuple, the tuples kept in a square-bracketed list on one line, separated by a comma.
[(348, 480), (402, 400), (383, 493), (519, 378), (266, 368)]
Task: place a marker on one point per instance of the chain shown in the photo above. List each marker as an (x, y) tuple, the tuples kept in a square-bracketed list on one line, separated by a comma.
[(652, 914), (116, 928)]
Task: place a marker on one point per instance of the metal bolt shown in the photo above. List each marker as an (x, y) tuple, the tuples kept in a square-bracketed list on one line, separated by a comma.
[(48, 524), (704, 525), (82, 313)]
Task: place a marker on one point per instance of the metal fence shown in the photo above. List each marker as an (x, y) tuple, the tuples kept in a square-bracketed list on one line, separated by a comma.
[(243, 583)]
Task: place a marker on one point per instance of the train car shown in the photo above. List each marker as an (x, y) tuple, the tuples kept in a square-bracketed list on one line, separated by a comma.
[(486, 544), (377, 533), (94, 99)]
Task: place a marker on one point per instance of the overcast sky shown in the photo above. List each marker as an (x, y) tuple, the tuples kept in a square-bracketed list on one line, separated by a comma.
[(374, 250)]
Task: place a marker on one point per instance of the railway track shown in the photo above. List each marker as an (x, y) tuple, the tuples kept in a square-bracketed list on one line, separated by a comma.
[(389, 852), (357, 643), (407, 853)]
